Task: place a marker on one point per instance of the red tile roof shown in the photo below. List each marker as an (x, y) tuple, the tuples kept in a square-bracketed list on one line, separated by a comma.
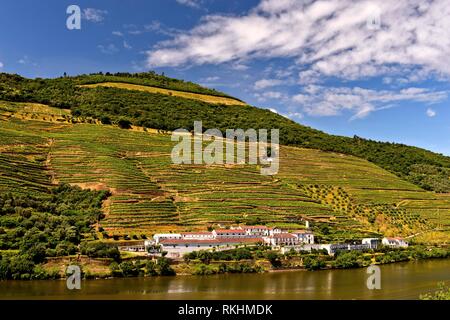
[(256, 227), (241, 240), (284, 235), (397, 238), (189, 241), (230, 231), (193, 233), (214, 242), (302, 231)]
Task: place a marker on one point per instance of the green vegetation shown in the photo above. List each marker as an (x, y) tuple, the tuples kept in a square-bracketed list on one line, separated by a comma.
[(442, 293), (205, 263), (343, 197), (41, 225), (148, 79), (203, 269), (313, 263), (352, 259), (72, 182), (228, 255), (100, 250), (213, 99), (430, 177), (135, 268)]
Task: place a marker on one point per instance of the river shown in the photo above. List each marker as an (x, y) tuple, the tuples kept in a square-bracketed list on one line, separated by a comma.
[(398, 281)]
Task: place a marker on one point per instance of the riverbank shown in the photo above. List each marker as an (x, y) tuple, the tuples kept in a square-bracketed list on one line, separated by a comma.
[(241, 261), (255, 259)]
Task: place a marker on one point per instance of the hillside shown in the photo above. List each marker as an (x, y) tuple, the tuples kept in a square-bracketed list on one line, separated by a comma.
[(343, 196), (183, 94), (428, 170)]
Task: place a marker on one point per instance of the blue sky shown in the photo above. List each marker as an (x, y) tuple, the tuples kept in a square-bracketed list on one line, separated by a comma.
[(371, 68)]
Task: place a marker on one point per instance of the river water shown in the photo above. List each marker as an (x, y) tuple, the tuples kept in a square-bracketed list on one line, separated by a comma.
[(398, 281)]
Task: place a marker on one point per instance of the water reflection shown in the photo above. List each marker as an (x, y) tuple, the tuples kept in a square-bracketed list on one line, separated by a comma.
[(398, 281)]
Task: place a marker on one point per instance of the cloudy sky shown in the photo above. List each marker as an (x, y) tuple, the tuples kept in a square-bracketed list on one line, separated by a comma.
[(377, 69)]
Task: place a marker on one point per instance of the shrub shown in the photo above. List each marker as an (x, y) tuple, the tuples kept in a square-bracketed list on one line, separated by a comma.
[(164, 267), (351, 259), (150, 268), (313, 263), (443, 293), (100, 250), (129, 269), (274, 259), (105, 120), (124, 124)]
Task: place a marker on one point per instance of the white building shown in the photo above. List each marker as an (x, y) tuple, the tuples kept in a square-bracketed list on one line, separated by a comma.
[(280, 239), (176, 248), (197, 235), (275, 230), (163, 236), (256, 230), (301, 247), (373, 243), (394, 242), (304, 236), (229, 233), (335, 247)]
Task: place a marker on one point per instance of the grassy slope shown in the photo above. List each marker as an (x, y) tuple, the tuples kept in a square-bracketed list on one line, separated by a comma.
[(151, 79), (183, 94), (151, 194)]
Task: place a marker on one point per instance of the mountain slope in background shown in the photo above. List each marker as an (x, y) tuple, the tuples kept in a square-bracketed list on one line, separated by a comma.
[(430, 171)]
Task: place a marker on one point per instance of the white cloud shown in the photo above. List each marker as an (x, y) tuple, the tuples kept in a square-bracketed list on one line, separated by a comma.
[(213, 78), (117, 33), (158, 27), (294, 115), (328, 38), (239, 66), (126, 45), (431, 113), (266, 83), (274, 95), (94, 15), (190, 3), (1, 64), (108, 49), (135, 32), (331, 101), (25, 60)]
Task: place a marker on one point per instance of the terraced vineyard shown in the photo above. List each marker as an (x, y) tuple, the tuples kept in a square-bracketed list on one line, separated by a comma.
[(369, 186), (150, 194)]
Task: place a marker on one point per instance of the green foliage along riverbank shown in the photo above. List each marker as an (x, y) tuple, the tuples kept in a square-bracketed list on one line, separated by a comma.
[(442, 293), (261, 258), (39, 225)]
